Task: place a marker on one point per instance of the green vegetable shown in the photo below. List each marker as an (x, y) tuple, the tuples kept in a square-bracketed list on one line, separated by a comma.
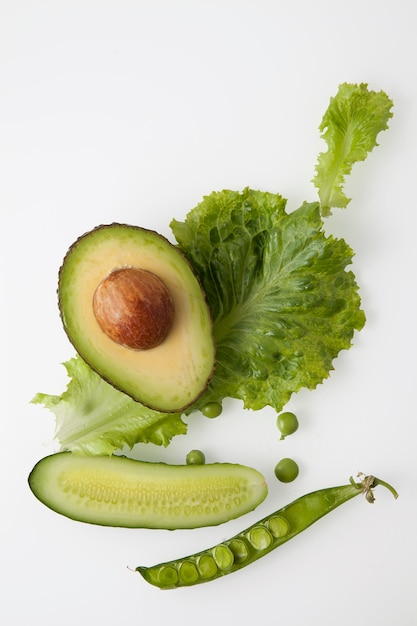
[(212, 409), (287, 423), (117, 491), (195, 457), (286, 470), (92, 417), (282, 300), (350, 127), (134, 310), (257, 540)]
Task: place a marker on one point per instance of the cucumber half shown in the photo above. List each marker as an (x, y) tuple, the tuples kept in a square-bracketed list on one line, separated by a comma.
[(118, 491)]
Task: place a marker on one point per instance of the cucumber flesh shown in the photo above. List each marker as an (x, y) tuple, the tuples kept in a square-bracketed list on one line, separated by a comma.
[(118, 491)]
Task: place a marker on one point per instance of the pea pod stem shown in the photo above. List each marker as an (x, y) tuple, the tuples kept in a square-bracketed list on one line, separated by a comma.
[(368, 483), (259, 539), (378, 481)]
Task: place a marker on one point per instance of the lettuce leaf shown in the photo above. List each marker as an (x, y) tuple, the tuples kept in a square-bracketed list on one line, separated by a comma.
[(282, 302), (92, 417), (350, 127)]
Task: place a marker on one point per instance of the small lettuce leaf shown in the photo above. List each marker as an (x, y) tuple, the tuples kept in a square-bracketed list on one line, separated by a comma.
[(282, 302), (350, 127), (92, 417)]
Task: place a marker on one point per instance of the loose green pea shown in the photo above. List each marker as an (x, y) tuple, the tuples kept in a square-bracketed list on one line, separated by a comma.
[(286, 470), (195, 457), (287, 423), (212, 409)]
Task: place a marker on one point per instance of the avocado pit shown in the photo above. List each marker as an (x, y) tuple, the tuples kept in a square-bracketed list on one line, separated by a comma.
[(134, 308)]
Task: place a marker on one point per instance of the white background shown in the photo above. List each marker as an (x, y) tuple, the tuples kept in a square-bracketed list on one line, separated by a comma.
[(131, 111)]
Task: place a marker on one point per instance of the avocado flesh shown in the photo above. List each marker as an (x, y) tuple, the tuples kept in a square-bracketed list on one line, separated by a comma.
[(168, 377)]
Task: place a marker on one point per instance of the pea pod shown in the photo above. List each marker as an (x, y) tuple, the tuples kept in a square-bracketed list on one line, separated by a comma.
[(257, 540)]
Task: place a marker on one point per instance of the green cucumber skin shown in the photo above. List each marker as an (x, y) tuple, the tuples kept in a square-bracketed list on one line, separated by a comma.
[(122, 492)]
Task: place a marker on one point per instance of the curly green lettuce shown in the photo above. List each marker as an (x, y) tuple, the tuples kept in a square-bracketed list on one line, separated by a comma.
[(350, 127), (282, 302)]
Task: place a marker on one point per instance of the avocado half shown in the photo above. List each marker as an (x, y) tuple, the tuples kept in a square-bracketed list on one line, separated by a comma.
[(102, 297)]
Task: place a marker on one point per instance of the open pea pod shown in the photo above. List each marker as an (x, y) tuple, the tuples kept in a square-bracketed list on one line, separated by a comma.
[(259, 539)]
